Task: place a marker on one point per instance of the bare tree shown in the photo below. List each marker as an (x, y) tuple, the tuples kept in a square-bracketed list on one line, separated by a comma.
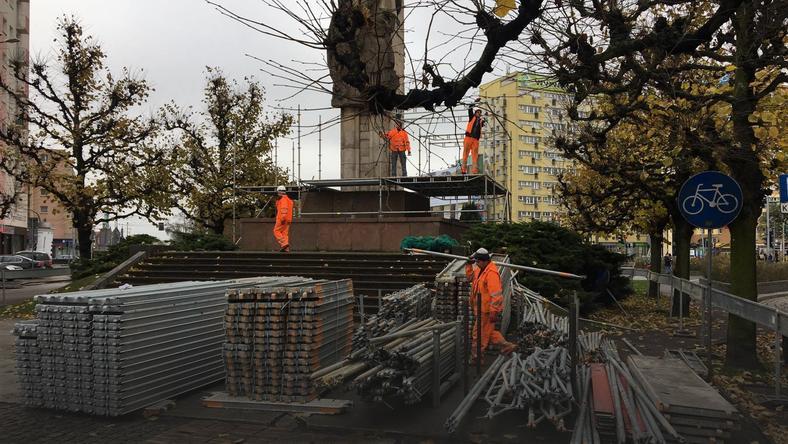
[(80, 115), (227, 145)]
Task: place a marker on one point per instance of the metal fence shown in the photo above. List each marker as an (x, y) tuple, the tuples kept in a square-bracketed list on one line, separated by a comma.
[(770, 318)]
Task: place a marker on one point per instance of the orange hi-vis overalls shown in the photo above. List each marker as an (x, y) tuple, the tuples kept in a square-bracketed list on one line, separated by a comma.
[(398, 140), (284, 217), (487, 285), (470, 145)]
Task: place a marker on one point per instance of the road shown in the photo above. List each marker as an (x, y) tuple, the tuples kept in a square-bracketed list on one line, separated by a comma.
[(27, 288)]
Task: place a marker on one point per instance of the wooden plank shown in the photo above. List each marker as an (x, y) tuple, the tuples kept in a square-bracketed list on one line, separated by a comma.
[(318, 406)]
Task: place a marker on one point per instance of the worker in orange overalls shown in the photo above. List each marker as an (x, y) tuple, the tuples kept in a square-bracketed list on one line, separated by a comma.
[(470, 145), (486, 284), (399, 144), (284, 217)]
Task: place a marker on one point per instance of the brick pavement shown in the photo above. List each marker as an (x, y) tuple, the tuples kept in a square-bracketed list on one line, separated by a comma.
[(19, 424)]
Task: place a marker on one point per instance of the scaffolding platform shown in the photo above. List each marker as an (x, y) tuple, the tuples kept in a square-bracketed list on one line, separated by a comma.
[(441, 187)]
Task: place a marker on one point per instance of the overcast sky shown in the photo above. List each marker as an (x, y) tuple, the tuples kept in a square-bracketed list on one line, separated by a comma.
[(173, 41)]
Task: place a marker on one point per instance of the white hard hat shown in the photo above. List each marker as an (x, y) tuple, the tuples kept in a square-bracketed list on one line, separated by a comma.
[(481, 254), (281, 189)]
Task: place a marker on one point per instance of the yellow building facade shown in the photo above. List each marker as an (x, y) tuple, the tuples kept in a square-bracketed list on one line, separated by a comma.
[(526, 112)]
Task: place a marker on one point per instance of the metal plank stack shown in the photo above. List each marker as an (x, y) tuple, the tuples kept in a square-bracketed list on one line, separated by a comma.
[(452, 292), (277, 336), (398, 307), (28, 362), (113, 351), (694, 408)]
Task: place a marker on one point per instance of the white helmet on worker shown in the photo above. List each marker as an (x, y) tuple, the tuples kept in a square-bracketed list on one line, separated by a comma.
[(281, 189), (481, 255)]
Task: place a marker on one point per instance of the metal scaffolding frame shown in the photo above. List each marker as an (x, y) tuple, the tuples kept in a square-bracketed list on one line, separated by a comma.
[(450, 188)]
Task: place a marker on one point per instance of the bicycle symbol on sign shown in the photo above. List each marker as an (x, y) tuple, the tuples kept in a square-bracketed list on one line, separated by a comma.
[(724, 203)]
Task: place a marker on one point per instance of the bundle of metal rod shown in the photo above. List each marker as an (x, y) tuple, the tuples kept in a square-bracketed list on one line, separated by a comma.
[(453, 290), (457, 416), (361, 358), (28, 362), (622, 408), (278, 336), (584, 430), (398, 307), (538, 383), (403, 368), (112, 351)]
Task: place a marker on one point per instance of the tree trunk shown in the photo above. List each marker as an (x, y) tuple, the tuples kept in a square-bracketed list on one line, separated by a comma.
[(745, 167), (682, 235), (656, 261), (741, 351), (84, 235)]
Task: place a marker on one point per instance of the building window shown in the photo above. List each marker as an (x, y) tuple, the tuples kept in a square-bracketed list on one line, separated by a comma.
[(550, 185), (528, 214), (528, 199), (554, 170), (529, 169), (529, 184), (43, 209), (534, 154), (529, 109), (530, 139)]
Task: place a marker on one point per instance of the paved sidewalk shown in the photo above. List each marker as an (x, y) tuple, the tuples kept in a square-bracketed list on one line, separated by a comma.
[(21, 425)]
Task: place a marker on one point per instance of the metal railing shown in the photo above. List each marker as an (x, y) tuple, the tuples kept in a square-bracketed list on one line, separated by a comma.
[(767, 317)]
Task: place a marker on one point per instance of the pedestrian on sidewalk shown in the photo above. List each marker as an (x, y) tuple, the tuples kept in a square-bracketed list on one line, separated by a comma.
[(284, 218), (667, 263), (399, 144)]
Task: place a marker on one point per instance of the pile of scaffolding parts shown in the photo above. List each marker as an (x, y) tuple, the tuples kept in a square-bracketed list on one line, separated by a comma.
[(645, 400), (110, 352), (277, 336)]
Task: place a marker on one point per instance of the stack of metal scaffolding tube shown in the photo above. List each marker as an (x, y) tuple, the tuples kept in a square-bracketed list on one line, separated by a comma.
[(278, 336), (113, 351), (425, 357), (396, 309)]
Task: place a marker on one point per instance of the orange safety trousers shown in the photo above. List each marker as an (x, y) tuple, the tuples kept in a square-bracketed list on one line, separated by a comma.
[(487, 285), (470, 146), (284, 217)]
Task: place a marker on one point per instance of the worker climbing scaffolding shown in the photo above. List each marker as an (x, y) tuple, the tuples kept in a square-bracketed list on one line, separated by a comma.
[(486, 284), (470, 145)]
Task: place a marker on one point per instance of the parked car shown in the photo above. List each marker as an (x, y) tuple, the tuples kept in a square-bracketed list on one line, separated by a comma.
[(39, 256), (19, 261)]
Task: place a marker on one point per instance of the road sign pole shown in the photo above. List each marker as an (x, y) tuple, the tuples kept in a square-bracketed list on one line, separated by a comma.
[(708, 305), (768, 228)]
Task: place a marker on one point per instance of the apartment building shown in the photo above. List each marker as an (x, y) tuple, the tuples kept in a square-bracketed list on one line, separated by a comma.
[(47, 213), (14, 44), (528, 111)]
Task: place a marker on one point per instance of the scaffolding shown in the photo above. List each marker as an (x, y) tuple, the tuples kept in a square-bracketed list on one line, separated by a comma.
[(451, 188)]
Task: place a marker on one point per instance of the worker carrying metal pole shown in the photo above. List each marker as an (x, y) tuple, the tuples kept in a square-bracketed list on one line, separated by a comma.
[(470, 145), (284, 218), (487, 302), (399, 144)]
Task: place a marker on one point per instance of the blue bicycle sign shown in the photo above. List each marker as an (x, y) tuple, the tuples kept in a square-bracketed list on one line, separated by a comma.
[(710, 200)]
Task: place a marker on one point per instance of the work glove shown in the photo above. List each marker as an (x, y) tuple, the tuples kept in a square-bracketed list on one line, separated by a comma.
[(408, 153)]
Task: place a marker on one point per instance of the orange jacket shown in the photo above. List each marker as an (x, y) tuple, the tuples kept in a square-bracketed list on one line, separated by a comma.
[(284, 210), (398, 140), (486, 283)]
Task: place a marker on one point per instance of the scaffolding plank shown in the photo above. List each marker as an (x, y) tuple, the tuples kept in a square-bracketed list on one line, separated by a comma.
[(222, 400)]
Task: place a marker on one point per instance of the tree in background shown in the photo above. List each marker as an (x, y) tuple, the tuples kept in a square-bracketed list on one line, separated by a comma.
[(80, 115), (547, 245), (227, 145), (470, 212)]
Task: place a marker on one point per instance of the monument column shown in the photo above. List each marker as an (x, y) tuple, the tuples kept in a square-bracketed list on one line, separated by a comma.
[(381, 44)]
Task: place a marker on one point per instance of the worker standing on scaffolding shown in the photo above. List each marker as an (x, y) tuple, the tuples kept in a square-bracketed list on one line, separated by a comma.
[(399, 143), (486, 284), (284, 218), (470, 145)]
